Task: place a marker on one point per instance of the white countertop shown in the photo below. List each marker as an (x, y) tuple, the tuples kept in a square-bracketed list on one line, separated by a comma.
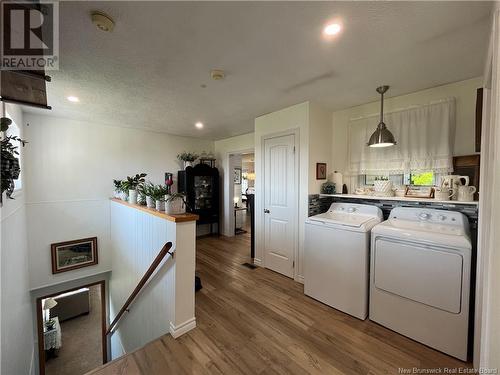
[(404, 199)]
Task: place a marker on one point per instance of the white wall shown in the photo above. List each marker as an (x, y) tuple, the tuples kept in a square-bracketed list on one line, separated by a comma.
[(69, 168), (223, 149), (17, 345), (463, 91), (320, 146)]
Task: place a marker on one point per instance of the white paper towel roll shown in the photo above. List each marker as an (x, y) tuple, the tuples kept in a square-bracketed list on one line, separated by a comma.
[(337, 180)]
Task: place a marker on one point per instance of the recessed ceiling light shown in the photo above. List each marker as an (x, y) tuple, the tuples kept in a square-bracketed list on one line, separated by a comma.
[(102, 21), (332, 29), (199, 125), (73, 99)]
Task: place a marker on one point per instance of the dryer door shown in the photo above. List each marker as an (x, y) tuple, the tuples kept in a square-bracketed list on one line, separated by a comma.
[(427, 275)]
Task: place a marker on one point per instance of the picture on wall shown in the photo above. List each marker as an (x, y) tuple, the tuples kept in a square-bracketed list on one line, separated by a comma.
[(70, 255), (320, 171), (237, 176)]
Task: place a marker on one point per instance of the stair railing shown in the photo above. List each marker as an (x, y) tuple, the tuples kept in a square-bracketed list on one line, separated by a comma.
[(156, 262)]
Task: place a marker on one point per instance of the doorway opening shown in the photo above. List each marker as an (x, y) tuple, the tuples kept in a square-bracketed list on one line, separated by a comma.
[(240, 196), (71, 330)]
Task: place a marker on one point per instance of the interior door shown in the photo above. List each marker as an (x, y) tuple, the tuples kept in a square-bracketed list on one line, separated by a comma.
[(280, 203)]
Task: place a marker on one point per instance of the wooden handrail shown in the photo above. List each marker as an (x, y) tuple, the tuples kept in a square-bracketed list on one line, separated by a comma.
[(163, 252)]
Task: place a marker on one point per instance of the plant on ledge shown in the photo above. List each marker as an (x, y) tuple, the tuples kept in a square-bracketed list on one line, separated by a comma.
[(148, 189), (10, 168), (118, 188), (158, 194), (175, 203), (188, 158), (130, 185)]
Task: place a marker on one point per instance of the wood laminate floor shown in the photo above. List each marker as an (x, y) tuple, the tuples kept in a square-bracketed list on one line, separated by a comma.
[(260, 322)]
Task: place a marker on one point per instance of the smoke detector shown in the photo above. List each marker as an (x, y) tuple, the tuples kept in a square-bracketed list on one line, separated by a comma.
[(217, 74), (102, 21)]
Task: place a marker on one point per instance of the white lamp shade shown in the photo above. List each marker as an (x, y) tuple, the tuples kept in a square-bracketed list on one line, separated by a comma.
[(49, 303)]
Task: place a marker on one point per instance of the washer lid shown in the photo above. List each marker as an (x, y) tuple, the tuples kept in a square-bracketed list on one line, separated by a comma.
[(340, 218)]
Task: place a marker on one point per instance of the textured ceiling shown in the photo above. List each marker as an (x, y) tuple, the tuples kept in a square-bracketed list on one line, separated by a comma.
[(148, 72)]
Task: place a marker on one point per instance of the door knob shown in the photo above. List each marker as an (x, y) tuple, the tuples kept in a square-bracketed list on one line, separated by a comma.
[(266, 211)]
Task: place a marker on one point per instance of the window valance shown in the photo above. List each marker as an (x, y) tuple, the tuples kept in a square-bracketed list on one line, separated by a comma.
[(424, 136)]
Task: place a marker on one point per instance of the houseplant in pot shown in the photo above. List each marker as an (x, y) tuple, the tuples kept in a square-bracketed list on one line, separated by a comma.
[(117, 190), (187, 158), (130, 185), (148, 190), (9, 160), (174, 204), (141, 195), (159, 192)]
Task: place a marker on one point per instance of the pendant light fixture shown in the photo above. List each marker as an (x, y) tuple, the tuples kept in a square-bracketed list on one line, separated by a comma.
[(382, 137)]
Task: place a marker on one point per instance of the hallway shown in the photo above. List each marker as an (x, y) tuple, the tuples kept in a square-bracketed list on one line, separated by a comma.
[(257, 321)]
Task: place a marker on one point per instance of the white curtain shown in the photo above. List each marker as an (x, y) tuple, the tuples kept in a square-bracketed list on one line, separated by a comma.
[(424, 137)]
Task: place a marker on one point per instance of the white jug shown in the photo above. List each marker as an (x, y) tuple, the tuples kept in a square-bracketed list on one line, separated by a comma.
[(453, 182), (466, 193)]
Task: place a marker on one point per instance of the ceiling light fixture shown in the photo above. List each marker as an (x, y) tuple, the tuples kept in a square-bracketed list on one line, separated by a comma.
[(102, 21), (199, 125), (332, 29), (73, 99), (382, 137), (217, 74)]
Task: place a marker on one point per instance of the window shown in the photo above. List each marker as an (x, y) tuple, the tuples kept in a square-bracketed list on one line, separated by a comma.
[(422, 179), (416, 179), (397, 179)]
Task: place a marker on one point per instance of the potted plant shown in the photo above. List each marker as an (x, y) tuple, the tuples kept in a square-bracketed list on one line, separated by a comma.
[(148, 189), (130, 185), (158, 194), (117, 191), (174, 203), (187, 158), (141, 195), (9, 160)]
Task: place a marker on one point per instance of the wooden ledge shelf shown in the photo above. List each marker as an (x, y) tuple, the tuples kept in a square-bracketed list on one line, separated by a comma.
[(402, 199), (178, 218)]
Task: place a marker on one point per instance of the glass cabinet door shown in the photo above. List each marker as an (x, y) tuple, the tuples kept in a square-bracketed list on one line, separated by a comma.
[(203, 190)]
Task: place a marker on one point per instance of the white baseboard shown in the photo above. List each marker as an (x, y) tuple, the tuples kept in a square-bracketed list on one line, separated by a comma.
[(257, 262), (299, 279), (183, 328)]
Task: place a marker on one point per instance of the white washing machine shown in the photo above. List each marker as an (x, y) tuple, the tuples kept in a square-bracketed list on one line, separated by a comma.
[(420, 277), (336, 254)]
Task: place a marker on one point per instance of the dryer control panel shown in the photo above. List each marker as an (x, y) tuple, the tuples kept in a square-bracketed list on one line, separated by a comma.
[(428, 215)]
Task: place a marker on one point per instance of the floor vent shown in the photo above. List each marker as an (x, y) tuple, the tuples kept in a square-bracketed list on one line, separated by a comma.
[(250, 265)]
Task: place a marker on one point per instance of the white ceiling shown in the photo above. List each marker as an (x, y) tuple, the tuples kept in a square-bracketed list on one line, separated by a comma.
[(147, 73)]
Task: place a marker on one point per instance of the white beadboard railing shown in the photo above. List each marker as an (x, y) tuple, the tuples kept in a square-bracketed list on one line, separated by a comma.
[(166, 303)]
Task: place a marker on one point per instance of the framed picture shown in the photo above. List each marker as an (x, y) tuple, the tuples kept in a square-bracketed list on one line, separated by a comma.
[(70, 255), (237, 176), (419, 192), (320, 171)]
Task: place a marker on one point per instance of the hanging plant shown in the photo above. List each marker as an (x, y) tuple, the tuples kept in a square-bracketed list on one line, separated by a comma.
[(10, 168)]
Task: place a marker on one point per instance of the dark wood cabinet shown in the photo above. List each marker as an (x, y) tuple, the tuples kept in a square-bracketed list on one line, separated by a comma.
[(201, 186)]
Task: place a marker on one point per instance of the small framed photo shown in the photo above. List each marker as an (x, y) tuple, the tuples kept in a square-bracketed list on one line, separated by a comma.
[(70, 255), (237, 176), (419, 192), (320, 171)]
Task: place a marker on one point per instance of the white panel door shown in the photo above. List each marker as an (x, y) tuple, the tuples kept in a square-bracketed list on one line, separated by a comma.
[(280, 203)]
